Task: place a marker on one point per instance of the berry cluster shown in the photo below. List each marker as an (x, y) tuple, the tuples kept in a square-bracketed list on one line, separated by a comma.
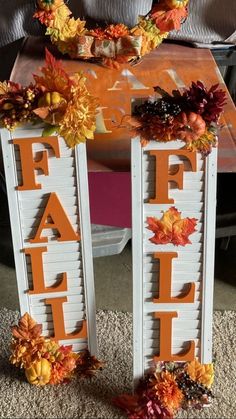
[(164, 108), (193, 390), (17, 104)]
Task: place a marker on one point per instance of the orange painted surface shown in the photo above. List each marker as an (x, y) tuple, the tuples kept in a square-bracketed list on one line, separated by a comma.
[(29, 165), (55, 217), (58, 321), (36, 255), (163, 177), (170, 66), (165, 279), (165, 354)]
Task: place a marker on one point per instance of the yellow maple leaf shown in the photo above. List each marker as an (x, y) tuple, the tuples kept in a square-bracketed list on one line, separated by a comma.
[(203, 373), (62, 14)]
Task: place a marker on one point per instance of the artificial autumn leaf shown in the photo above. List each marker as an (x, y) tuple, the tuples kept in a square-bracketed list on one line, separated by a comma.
[(27, 328), (55, 78), (203, 373), (171, 228), (162, 234), (42, 112), (181, 230), (49, 130), (168, 19), (87, 364)]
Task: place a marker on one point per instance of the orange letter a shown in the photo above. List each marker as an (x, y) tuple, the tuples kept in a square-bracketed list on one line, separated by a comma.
[(55, 217)]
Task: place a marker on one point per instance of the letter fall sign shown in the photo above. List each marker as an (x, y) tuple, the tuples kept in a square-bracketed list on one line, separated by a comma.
[(49, 211), (173, 201)]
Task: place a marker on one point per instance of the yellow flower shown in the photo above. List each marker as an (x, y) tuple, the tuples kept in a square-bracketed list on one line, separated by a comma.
[(151, 35), (204, 373), (62, 14), (78, 122), (203, 144), (26, 352)]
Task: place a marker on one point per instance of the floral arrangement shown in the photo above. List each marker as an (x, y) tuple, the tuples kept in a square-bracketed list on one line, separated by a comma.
[(61, 101), (43, 359), (168, 388), (171, 228), (192, 116), (112, 44)]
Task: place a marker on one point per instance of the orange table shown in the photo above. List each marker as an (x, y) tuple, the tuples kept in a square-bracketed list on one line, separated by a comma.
[(170, 66)]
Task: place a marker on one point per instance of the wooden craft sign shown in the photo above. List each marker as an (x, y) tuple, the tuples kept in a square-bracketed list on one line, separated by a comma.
[(49, 211), (174, 201)]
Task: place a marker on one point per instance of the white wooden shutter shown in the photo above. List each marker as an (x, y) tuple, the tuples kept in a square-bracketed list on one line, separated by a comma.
[(68, 179), (195, 262)]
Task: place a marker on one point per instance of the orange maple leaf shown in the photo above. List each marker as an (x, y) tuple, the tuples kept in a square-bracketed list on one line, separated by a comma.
[(171, 228), (54, 78), (168, 19), (27, 328)]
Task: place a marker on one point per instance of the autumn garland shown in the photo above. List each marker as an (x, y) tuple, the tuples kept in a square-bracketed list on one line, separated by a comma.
[(61, 101), (112, 44), (44, 360), (192, 116)]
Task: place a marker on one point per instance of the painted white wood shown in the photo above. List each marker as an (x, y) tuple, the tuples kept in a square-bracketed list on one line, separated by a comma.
[(195, 262), (209, 256), (68, 179), (14, 210), (137, 256), (86, 243)]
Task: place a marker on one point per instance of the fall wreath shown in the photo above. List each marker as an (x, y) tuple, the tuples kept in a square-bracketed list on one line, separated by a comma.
[(114, 43)]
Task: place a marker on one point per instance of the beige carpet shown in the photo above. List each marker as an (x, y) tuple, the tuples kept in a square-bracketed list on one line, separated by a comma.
[(92, 399)]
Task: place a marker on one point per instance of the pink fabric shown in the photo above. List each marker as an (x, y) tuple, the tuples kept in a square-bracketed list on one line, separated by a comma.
[(110, 198)]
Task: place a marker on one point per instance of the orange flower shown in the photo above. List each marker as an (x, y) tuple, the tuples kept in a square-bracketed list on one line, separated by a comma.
[(115, 63), (168, 391), (152, 127), (62, 371), (116, 31), (98, 33), (24, 353), (46, 18), (203, 373), (171, 228), (168, 19)]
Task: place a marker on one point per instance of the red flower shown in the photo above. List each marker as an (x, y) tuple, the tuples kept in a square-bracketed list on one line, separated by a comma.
[(208, 103), (143, 406)]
